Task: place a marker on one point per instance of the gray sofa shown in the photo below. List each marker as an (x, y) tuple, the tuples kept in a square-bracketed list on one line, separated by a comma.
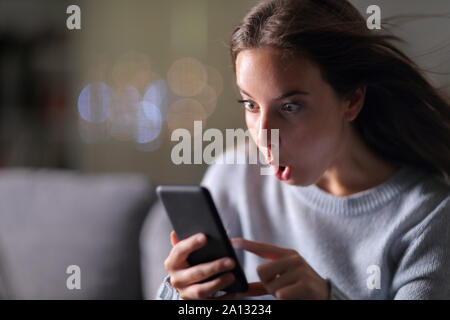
[(53, 219)]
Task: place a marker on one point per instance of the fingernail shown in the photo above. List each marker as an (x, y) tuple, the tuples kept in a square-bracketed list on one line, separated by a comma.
[(200, 238), (228, 263)]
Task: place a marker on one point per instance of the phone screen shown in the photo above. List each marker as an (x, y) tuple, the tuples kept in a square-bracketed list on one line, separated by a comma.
[(191, 210)]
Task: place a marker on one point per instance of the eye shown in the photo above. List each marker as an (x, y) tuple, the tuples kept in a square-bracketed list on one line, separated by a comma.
[(248, 105), (290, 107)]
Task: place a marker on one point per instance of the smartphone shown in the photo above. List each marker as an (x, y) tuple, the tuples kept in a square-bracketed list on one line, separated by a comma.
[(191, 210)]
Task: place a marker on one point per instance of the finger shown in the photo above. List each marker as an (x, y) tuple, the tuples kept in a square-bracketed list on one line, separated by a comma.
[(269, 270), (289, 292), (200, 272), (281, 282), (181, 251), (254, 289), (173, 238), (207, 289), (261, 249)]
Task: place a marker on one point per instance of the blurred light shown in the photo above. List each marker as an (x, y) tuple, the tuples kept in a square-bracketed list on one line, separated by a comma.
[(215, 79), (124, 114), (187, 77), (94, 102), (157, 94), (149, 122), (208, 99), (183, 113), (133, 68)]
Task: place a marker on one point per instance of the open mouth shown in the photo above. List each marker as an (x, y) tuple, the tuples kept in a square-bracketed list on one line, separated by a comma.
[(282, 172)]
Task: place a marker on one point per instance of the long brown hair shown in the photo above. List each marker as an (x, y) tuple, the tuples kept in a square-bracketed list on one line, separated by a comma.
[(404, 119)]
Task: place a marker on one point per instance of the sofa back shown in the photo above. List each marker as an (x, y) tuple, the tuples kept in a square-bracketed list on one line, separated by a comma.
[(66, 235)]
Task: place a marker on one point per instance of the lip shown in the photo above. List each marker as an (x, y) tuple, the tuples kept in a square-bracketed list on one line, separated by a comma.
[(280, 174)]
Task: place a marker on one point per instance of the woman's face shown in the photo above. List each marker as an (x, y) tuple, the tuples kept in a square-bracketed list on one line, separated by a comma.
[(290, 95)]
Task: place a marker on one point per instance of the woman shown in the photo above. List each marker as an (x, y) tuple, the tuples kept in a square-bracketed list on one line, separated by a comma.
[(358, 207)]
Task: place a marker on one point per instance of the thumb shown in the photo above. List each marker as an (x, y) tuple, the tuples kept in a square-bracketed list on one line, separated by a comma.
[(173, 238)]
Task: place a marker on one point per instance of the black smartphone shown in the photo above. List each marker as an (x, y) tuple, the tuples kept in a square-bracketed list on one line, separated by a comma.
[(191, 210)]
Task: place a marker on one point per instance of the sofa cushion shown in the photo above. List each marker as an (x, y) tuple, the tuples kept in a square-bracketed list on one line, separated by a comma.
[(53, 219)]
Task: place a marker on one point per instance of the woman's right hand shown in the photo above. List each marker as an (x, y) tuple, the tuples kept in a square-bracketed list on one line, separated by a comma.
[(186, 278)]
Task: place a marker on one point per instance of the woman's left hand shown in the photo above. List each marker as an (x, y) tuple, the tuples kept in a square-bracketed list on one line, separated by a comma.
[(287, 276)]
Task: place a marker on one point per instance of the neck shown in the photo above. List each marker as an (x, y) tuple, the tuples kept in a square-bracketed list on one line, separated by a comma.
[(356, 168)]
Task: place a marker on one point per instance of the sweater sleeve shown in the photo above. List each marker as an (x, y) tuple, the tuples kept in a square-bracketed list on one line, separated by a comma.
[(167, 292), (424, 269)]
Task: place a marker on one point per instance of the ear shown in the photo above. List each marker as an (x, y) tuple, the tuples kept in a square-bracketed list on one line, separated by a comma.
[(354, 103)]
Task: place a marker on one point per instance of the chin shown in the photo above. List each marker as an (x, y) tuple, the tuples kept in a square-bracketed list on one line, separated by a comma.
[(295, 181)]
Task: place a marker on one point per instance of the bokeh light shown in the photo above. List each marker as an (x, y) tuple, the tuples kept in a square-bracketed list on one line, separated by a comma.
[(132, 102), (157, 94), (94, 102), (149, 122), (124, 118), (187, 77), (132, 69), (208, 99), (126, 100)]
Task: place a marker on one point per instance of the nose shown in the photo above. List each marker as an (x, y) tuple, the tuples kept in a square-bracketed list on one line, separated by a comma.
[(267, 134), (264, 134)]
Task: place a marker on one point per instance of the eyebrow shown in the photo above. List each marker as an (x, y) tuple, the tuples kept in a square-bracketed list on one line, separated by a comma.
[(283, 96)]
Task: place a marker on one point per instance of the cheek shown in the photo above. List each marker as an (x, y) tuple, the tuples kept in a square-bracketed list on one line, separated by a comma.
[(323, 147), (318, 143), (313, 153)]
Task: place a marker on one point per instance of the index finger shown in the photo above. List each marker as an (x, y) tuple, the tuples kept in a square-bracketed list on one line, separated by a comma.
[(264, 250), (254, 289)]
